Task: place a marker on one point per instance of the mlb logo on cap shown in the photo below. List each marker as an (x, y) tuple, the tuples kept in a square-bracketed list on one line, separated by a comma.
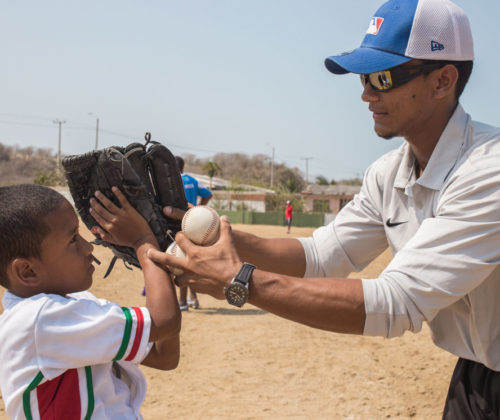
[(374, 26), (402, 30)]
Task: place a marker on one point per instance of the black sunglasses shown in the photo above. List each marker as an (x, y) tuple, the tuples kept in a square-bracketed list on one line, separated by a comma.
[(383, 80)]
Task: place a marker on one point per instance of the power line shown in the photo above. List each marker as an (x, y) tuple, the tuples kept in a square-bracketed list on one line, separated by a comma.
[(33, 117), (25, 124), (319, 164)]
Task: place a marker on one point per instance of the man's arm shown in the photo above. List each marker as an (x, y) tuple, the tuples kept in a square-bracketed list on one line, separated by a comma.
[(205, 195), (125, 226), (204, 200), (332, 304), (283, 256)]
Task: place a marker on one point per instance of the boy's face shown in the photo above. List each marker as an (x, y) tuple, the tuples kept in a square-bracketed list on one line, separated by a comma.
[(66, 259)]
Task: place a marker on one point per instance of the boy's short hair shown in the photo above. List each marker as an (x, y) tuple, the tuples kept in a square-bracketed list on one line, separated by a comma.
[(22, 227)]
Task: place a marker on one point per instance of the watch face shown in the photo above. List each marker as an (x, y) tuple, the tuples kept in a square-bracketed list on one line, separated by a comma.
[(236, 294)]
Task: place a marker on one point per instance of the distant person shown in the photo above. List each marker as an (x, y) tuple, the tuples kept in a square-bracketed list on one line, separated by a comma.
[(434, 201), (288, 215), (193, 190), (66, 354)]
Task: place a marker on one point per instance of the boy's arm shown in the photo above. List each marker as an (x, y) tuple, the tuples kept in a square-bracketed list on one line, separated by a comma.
[(161, 301), (125, 226)]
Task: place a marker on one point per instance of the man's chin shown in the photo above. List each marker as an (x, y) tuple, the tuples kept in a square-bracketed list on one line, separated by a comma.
[(384, 133), (386, 136)]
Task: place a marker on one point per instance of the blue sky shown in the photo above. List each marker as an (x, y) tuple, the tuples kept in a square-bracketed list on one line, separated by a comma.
[(207, 76)]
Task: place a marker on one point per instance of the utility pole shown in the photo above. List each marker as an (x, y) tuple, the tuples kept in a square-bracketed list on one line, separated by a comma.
[(97, 133), (96, 130), (307, 159), (59, 122), (272, 169)]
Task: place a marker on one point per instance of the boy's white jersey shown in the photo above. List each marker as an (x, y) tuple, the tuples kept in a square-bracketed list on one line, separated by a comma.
[(72, 357)]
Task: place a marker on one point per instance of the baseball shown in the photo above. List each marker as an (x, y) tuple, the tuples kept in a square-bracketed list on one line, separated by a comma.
[(174, 249), (201, 225)]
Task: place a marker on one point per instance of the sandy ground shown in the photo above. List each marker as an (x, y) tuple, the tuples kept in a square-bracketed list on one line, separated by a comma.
[(249, 364)]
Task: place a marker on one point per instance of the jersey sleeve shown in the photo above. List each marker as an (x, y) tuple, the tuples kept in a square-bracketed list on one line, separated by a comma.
[(76, 332), (203, 191)]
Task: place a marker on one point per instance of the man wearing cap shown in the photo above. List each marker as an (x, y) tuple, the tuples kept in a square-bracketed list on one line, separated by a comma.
[(434, 201)]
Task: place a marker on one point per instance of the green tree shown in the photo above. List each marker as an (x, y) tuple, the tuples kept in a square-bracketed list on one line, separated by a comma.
[(277, 202), (211, 169), (5, 152), (321, 180), (351, 181), (290, 181)]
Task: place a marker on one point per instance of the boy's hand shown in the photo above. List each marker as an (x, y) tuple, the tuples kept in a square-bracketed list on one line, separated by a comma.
[(121, 226), (207, 268), (174, 212)]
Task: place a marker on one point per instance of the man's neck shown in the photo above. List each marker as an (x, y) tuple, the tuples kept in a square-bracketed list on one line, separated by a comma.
[(424, 142)]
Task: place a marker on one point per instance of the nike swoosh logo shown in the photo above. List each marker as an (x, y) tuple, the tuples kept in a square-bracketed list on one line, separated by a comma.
[(388, 223)]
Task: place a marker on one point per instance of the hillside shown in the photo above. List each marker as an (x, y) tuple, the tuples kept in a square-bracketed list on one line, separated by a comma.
[(25, 165)]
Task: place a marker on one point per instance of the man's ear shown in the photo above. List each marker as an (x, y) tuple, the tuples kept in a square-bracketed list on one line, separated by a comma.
[(23, 272), (446, 81)]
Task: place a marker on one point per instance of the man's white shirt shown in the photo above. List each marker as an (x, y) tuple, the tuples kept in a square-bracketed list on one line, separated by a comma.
[(444, 232)]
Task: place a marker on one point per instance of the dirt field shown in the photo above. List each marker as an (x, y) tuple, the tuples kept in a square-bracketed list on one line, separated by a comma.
[(248, 364)]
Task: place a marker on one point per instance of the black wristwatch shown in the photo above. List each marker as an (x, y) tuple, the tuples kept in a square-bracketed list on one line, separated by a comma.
[(237, 291)]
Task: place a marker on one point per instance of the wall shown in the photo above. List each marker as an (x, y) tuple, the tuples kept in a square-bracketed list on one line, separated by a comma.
[(231, 200), (257, 218)]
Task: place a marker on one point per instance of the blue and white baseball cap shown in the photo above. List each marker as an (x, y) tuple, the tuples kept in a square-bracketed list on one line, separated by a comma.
[(402, 30)]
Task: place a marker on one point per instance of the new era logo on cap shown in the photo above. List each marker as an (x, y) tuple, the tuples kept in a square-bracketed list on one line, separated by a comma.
[(436, 46), (375, 25)]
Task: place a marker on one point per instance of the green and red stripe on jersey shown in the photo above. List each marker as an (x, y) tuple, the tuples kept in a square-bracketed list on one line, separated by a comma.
[(59, 398), (128, 332)]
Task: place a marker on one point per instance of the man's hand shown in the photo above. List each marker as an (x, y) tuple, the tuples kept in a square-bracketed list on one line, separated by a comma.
[(121, 226), (207, 269)]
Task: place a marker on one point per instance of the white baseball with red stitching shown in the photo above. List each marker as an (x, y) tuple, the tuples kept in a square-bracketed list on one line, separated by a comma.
[(201, 225), (174, 249)]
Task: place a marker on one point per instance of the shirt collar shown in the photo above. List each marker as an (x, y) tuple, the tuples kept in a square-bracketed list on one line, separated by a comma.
[(9, 300), (443, 159), (406, 167)]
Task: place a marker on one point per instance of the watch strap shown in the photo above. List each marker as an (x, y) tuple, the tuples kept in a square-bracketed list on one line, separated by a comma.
[(245, 273)]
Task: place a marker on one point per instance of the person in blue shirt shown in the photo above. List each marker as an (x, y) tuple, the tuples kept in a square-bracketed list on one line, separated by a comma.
[(193, 189)]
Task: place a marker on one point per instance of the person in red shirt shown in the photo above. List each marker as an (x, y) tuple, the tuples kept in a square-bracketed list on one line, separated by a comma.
[(288, 215)]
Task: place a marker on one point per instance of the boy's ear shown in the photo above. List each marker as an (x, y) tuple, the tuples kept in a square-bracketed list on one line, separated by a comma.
[(22, 272)]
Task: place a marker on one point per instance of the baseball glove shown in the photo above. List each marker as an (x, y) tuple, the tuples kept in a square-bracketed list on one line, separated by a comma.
[(147, 175)]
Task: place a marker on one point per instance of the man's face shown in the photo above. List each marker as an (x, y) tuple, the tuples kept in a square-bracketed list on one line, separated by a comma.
[(66, 259), (402, 111)]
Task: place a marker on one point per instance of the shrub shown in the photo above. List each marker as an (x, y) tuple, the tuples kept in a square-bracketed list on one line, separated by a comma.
[(49, 178)]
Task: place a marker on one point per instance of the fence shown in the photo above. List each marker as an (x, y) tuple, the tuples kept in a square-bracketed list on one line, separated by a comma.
[(257, 218)]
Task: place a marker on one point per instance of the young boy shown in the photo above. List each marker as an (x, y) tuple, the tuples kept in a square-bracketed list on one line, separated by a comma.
[(64, 353)]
